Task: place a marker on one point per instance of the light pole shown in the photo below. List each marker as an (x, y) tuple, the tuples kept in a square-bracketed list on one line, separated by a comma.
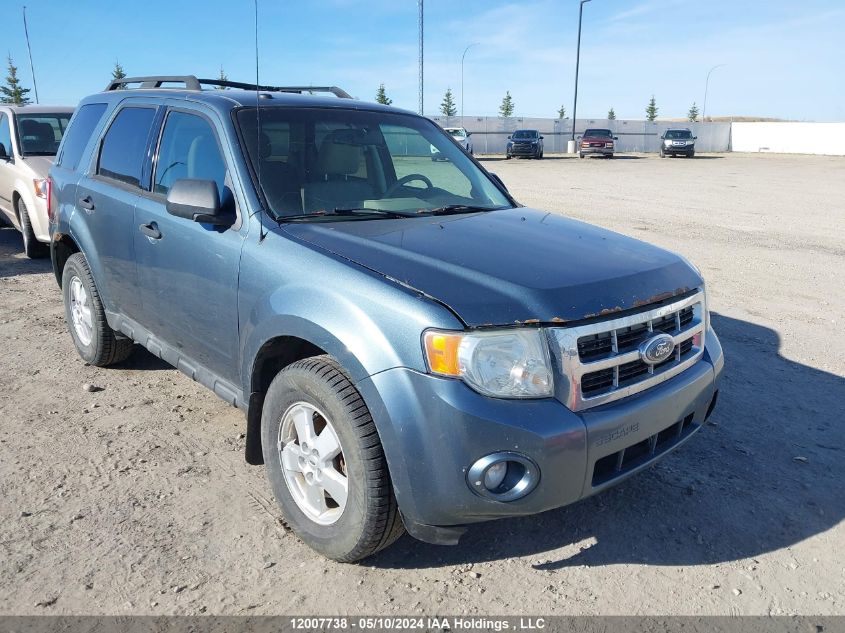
[(706, 85), (577, 64), (31, 67), (420, 7), (462, 80)]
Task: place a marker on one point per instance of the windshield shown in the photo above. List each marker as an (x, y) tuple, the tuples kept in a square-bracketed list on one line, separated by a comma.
[(525, 134), (318, 161), (606, 133), (40, 134), (678, 134), (457, 132)]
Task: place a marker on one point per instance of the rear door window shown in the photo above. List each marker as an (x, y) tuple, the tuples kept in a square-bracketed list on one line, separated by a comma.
[(76, 138), (124, 145)]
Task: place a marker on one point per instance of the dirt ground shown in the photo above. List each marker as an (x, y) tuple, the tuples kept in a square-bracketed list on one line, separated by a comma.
[(136, 500)]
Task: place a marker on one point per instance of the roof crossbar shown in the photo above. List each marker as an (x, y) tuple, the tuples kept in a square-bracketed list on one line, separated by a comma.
[(190, 82)]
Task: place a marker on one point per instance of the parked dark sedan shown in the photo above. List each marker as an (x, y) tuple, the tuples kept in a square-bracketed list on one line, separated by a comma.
[(527, 143)]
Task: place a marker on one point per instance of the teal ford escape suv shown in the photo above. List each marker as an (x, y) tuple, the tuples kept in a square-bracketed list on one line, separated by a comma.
[(412, 348)]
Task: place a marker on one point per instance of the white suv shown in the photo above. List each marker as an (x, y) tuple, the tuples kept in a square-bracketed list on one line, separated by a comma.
[(29, 140)]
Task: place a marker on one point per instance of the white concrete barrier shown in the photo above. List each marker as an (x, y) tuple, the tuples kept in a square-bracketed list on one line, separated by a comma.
[(789, 138)]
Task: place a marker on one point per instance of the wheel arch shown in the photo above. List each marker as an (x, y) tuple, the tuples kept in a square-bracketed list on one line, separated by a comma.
[(273, 355), (62, 247)]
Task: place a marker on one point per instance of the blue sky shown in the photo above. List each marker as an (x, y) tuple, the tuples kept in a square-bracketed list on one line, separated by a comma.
[(783, 58)]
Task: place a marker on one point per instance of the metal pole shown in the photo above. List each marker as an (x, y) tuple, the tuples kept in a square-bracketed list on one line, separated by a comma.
[(31, 67), (577, 64), (462, 81), (706, 85), (420, 5)]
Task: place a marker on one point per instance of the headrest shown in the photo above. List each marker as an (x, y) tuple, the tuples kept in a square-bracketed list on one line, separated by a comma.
[(337, 157)]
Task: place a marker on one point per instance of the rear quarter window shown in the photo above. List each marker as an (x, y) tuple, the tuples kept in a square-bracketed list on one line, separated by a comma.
[(76, 138)]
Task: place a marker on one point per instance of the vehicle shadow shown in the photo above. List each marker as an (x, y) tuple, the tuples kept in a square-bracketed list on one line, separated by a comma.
[(142, 359), (765, 474), (12, 260)]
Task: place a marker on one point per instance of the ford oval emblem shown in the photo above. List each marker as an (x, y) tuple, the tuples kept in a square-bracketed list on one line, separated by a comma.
[(657, 349)]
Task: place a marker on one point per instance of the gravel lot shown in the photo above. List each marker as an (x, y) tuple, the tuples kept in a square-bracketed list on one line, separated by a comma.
[(135, 499)]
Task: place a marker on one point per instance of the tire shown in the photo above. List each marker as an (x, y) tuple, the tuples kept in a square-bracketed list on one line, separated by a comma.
[(96, 342), (368, 519), (31, 246), (609, 156), (580, 155), (691, 154), (662, 153), (507, 156)]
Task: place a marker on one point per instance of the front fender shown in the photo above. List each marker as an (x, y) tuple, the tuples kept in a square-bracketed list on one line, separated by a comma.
[(358, 329), (36, 209)]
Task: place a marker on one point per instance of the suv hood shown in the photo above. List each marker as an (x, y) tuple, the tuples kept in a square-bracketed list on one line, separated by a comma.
[(509, 266)]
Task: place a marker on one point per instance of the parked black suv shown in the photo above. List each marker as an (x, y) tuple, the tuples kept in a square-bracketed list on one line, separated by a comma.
[(527, 143), (677, 142)]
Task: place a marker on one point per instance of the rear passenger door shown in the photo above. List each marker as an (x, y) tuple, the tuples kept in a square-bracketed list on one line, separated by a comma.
[(107, 195), (187, 271)]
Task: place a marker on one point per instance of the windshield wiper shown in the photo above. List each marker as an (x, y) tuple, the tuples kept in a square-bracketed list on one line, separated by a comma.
[(452, 209), (346, 211)]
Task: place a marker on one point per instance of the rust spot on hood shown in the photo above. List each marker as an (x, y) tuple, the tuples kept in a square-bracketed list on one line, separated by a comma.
[(659, 297)]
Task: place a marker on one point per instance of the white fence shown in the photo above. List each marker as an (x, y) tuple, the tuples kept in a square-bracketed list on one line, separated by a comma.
[(490, 134), (789, 138)]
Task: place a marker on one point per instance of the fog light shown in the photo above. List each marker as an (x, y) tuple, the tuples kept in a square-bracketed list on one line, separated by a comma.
[(503, 476), (495, 475)]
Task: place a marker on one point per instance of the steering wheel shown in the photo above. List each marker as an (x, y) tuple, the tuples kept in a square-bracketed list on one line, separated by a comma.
[(404, 180)]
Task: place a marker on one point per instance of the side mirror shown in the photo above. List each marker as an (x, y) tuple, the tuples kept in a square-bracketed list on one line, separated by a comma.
[(197, 200), (615, 138), (541, 137), (509, 137), (694, 138), (578, 137), (469, 134), (3, 153), (499, 181)]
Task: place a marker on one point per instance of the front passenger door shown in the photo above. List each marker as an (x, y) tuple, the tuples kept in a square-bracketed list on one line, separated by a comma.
[(187, 271)]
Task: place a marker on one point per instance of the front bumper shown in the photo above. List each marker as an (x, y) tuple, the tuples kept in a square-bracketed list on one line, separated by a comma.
[(433, 429), (678, 149), (522, 150), (596, 150)]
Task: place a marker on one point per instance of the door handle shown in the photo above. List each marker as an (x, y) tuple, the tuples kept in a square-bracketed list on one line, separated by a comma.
[(150, 230), (86, 203)]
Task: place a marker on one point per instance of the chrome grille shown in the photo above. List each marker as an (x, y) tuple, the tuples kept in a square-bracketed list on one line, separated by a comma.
[(602, 363)]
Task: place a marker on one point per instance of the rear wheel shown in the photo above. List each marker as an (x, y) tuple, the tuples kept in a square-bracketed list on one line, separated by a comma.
[(325, 462), (96, 342), (31, 246)]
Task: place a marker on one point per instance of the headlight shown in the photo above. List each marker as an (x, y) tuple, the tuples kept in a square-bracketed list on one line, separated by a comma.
[(499, 363), (40, 187)]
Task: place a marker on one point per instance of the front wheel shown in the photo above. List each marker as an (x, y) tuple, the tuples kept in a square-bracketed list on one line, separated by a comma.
[(31, 246), (325, 462), (691, 154), (580, 155), (96, 342)]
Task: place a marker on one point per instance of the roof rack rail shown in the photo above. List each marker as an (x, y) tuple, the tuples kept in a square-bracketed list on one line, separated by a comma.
[(192, 83)]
